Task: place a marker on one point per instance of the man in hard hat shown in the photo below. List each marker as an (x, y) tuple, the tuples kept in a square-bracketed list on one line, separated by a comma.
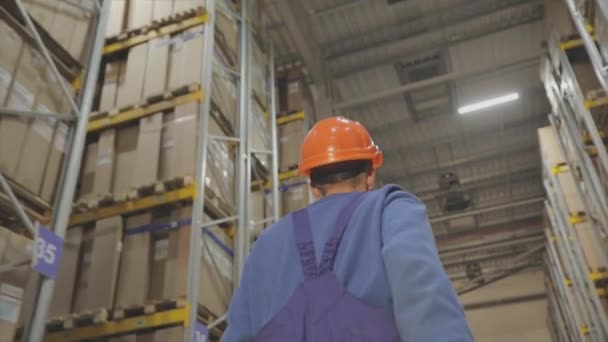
[(357, 265)]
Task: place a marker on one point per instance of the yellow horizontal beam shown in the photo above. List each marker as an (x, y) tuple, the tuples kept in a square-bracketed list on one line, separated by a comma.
[(595, 276), (577, 218), (559, 168), (602, 101), (288, 175), (155, 33), (138, 113), (155, 320), (289, 118), (185, 193)]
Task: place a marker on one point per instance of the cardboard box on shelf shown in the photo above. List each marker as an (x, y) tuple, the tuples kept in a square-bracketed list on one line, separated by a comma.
[(291, 136), (295, 96), (550, 148), (258, 73), (185, 61), (13, 248), (106, 155), (87, 173), (178, 142), (35, 153), (260, 133), (126, 151), (145, 169), (130, 92), (294, 195), (158, 54), (558, 19), (63, 296), (139, 14), (133, 279), (116, 20), (55, 161), (114, 75), (105, 257)]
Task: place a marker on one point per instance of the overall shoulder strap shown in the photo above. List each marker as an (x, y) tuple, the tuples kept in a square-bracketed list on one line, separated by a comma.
[(331, 247), (304, 242)]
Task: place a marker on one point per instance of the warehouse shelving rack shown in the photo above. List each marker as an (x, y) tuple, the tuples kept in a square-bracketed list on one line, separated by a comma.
[(576, 291), (245, 162), (585, 29)]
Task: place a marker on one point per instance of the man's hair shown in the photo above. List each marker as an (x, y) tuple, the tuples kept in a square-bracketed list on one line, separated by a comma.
[(339, 172)]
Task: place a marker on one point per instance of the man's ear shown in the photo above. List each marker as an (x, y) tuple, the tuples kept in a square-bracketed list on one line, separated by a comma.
[(370, 180), (316, 193)]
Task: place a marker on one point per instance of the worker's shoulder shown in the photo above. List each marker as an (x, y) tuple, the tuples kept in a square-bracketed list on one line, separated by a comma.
[(276, 232), (392, 193)]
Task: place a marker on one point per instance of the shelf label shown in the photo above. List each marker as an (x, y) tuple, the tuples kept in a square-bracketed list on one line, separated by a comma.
[(49, 248), (201, 333)]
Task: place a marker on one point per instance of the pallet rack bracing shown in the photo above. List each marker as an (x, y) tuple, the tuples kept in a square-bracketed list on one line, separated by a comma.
[(187, 316), (79, 106), (598, 53)]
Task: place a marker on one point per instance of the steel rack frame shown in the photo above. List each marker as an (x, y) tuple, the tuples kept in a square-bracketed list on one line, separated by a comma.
[(77, 120), (571, 119), (575, 265)]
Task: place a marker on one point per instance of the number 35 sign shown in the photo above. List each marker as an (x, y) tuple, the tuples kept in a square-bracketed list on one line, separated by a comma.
[(48, 250)]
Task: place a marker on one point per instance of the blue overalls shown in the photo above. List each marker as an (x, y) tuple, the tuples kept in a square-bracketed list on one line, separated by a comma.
[(321, 309)]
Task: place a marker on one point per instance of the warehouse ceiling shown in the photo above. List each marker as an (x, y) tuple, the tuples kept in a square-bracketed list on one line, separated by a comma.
[(403, 68)]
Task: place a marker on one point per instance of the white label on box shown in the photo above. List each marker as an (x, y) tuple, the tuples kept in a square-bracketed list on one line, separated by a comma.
[(185, 118), (60, 136), (297, 193), (9, 308), (161, 249), (216, 256), (160, 42), (105, 156), (167, 141), (44, 128)]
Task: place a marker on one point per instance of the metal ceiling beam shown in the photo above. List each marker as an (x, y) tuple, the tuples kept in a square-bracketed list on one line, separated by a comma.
[(517, 266), (448, 77), (404, 28), (534, 223), (508, 205), (506, 301), (498, 153), (443, 40), (503, 254), (338, 7), (499, 243)]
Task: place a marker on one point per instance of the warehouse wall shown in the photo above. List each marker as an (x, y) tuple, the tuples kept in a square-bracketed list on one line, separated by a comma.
[(522, 322)]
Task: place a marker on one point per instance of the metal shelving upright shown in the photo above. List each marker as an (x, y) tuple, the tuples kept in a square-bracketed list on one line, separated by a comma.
[(244, 162)]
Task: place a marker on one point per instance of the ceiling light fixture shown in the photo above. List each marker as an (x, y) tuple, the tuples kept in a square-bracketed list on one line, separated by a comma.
[(488, 103)]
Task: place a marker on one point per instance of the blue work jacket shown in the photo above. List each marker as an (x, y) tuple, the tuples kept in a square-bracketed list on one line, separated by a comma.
[(387, 258)]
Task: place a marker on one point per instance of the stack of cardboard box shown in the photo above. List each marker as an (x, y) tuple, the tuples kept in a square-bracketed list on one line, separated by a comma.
[(14, 248), (31, 150), (293, 98)]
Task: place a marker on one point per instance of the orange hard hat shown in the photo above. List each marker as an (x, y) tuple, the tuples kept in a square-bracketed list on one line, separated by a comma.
[(337, 139)]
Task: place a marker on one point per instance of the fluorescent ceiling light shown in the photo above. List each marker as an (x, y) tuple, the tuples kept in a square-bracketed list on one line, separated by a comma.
[(488, 103)]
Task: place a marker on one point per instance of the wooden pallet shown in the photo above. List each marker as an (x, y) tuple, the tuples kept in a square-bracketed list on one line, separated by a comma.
[(156, 24), (85, 318), (150, 100), (149, 308)]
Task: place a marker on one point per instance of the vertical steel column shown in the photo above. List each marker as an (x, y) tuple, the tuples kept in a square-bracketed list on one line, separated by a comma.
[(276, 202), (558, 276), (244, 155), (577, 259), (202, 146), (74, 156)]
